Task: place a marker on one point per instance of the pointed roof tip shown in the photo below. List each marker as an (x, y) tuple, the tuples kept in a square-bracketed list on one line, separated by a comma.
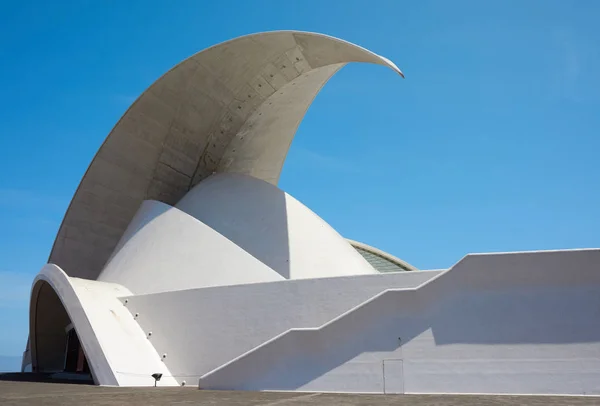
[(390, 64)]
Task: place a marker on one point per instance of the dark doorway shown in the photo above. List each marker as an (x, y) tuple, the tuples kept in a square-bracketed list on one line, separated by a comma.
[(55, 346), (75, 360)]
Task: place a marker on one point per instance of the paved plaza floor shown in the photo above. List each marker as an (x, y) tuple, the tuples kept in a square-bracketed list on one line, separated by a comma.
[(13, 393)]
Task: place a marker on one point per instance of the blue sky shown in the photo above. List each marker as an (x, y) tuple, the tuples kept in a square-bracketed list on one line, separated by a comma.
[(489, 144)]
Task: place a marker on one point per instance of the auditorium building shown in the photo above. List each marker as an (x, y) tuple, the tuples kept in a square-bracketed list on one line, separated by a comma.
[(180, 262)]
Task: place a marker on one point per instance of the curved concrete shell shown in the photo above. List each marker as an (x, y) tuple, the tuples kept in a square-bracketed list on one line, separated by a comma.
[(234, 107), (381, 260), (227, 282), (231, 229), (115, 347)]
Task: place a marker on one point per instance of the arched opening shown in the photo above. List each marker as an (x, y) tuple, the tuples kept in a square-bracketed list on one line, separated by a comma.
[(55, 345)]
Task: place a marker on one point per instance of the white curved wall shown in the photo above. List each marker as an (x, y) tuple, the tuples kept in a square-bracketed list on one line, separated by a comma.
[(273, 226), (234, 107), (165, 249), (115, 346)]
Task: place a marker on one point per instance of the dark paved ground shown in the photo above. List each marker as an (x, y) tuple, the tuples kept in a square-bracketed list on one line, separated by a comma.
[(36, 393)]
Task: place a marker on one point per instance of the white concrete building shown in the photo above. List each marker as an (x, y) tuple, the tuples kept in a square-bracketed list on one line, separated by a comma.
[(179, 255)]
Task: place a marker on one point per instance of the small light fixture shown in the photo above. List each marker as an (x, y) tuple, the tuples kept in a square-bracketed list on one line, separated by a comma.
[(156, 377)]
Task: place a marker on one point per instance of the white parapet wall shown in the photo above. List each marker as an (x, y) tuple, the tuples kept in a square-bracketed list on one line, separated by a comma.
[(520, 323), (502, 323), (202, 329)]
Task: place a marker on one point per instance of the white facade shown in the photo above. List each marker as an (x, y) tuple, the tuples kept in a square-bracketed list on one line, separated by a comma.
[(220, 280)]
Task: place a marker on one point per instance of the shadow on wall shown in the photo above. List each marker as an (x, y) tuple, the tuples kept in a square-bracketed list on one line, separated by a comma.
[(301, 356), (532, 316), (249, 212), (381, 326), (455, 312), (323, 350), (536, 297)]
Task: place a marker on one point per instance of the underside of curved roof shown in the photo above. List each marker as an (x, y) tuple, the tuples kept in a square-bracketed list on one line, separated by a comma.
[(234, 107)]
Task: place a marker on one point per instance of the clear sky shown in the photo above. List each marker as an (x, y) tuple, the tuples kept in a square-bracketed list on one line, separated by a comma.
[(491, 143)]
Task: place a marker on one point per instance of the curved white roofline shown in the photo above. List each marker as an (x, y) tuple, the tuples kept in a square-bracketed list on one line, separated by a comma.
[(387, 256), (231, 229), (117, 350), (233, 107)]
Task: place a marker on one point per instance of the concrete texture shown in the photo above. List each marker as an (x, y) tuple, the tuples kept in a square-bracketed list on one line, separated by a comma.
[(111, 339), (493, 323), (222, 323), (53, 394), (161, 238), (230, 229), (515, 323), (210, 138), (234, 107), (273, 226)]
